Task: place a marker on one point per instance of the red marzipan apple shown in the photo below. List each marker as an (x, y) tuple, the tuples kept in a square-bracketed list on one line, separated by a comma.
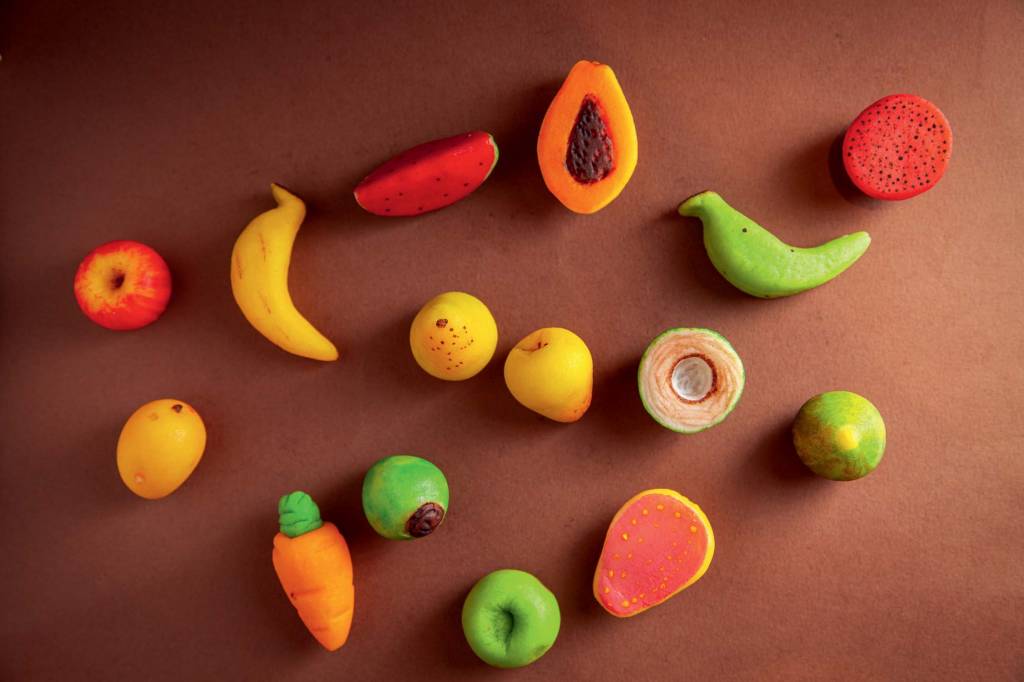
[(123, 285)]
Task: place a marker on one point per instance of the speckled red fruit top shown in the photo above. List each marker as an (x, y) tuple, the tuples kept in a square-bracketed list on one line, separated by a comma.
[(898, 147)]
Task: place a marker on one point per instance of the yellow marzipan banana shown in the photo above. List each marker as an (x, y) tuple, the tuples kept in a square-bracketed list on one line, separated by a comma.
[(259, 279)]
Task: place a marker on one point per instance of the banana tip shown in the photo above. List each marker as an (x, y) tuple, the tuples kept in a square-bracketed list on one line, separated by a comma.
[(694, 203), (282, 194)]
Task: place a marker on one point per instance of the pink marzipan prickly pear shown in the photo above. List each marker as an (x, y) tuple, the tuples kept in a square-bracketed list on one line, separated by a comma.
[(429, 176)]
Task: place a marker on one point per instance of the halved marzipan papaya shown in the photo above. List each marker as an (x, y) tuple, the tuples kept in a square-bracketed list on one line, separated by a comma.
[(587, 145)]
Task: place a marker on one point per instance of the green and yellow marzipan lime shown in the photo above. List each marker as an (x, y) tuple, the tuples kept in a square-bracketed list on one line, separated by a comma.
[(839, 435)]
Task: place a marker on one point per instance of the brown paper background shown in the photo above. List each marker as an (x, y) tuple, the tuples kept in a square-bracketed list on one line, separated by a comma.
[(166, 125)]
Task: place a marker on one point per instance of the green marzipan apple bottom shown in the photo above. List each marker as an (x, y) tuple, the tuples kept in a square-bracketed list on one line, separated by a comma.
[(510, 618)]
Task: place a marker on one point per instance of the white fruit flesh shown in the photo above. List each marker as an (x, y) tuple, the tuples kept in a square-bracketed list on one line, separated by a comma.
[(690, 379), (693, 378)]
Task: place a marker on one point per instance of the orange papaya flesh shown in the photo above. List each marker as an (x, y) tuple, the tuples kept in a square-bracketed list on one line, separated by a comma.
[(587, 146)]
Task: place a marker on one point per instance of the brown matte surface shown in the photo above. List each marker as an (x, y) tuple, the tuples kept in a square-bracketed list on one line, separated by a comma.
[(167, 126)]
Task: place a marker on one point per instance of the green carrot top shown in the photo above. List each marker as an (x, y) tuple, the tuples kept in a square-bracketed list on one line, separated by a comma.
[(298, 514)]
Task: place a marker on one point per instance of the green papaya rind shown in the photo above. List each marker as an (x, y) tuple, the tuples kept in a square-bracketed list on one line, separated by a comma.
[(757, 262), (726, 348)]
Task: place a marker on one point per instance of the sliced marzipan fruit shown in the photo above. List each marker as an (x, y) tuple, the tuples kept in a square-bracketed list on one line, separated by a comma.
[(898, 147), (690, 379), (587, 147), (658, 544), (429, 176)]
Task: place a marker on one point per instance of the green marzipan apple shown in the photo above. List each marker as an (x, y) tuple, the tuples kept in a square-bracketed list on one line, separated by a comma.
[(510, 619)]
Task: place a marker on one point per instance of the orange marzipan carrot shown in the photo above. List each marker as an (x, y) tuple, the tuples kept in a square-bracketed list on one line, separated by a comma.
[(315, 570)]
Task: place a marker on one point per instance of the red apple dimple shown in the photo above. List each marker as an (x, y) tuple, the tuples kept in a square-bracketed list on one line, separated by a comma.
[(123, 285)]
